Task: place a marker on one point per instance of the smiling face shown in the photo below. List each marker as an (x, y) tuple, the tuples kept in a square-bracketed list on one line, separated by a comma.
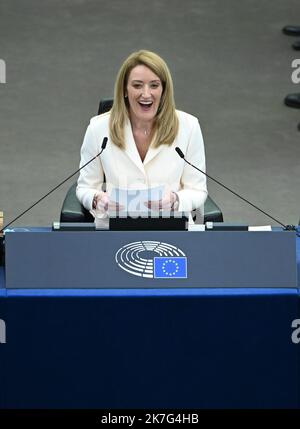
[(144, 90)]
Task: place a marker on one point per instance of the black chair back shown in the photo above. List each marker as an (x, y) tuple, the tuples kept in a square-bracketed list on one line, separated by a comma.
[(105, 105)]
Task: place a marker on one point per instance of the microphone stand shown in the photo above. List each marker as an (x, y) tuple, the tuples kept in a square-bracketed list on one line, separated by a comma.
[(285, 227), (103, 146)]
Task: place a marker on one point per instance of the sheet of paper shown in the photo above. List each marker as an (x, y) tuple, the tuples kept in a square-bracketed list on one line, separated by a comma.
[(260, 228), (196, 227), (135, 200)]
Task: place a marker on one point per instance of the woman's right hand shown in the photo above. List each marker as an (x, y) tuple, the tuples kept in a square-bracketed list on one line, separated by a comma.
[(104, 204)]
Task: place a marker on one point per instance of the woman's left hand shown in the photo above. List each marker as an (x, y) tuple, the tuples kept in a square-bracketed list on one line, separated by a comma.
[(166, 203)]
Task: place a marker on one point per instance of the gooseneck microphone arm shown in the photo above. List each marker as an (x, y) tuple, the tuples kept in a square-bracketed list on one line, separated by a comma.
[(103, 146), (287, 227)]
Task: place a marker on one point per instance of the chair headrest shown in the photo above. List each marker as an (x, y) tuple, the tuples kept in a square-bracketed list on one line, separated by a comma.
[(105, 105)]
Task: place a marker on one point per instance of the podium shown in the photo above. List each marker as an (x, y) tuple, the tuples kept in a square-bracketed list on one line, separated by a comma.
[(45, 259), (82, 332)]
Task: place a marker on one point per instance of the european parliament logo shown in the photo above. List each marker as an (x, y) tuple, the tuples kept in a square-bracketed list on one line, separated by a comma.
[(152, 259)]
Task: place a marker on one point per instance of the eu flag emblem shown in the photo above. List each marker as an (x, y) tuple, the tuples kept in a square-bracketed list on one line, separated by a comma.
[(170, 268)]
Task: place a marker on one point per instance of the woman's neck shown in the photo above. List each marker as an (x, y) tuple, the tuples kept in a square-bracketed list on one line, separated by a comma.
[(144, 127)]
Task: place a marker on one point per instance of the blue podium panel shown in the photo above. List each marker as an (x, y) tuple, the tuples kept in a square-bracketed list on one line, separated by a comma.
[(150, 259), (3, 319), (229, 349), (168, 347)]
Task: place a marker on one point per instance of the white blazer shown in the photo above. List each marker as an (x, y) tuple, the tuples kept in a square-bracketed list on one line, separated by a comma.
[(161, 166)]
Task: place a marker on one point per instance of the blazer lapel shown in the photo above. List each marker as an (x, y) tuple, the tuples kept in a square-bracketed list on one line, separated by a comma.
[(152, 152), (131, 149)]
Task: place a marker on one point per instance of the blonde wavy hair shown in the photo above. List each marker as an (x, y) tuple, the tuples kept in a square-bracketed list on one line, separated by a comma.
[(166, 121)]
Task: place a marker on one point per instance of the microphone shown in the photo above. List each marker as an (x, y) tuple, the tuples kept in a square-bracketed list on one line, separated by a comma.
[(103, 146), (286, 227)]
